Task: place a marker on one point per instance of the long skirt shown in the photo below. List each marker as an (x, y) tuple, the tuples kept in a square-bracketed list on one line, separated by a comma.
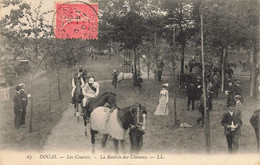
[(162, 108)]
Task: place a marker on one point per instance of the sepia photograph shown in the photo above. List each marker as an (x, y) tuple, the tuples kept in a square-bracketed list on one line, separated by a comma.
[(129, 82)]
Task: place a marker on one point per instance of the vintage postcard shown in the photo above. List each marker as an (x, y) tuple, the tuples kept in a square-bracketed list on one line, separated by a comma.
[(127, 82)]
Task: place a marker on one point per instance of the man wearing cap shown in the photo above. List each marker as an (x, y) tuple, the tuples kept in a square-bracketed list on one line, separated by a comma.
[(18, 107), (24, 102), (198, 85), (232, 124), (191, 92), (90, 90), (230, 92)]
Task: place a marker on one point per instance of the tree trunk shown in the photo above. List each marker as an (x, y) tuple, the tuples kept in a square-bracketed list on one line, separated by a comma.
[(129, 59), (253, 80), (135, 63), (174, 82), (109, 52), (31, 117), (68, 72), (50, 91), (206, 111), (223, 61), (174, 94), (58, 76), (182, 58), (148, 73)]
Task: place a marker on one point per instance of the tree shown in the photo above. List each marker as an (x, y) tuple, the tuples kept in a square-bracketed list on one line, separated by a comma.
[(179, 13), (227, 25), (21, 25)]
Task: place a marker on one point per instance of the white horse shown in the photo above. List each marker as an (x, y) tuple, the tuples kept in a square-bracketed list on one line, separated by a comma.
[(124, 76)]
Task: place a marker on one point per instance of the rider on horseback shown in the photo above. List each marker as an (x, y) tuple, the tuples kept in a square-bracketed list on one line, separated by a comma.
[(77, 81), (90, 90), (82, 73)]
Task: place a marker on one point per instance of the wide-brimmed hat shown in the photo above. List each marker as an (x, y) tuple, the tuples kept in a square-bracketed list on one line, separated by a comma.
[(165, 85), (91, 80)]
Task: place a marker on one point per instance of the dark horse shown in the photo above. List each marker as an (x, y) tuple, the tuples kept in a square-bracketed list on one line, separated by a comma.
[(117, 123), (107, 97), (77, 99), (184, 79)]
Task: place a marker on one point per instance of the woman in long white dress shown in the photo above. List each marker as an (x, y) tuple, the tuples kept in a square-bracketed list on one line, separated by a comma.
[(162, 108)]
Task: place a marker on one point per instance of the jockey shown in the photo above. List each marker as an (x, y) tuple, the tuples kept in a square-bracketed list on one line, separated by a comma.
[(82, 73), (90, 90), (77, 77)]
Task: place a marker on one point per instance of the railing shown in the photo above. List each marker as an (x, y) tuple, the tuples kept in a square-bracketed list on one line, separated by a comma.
[(4, 93)]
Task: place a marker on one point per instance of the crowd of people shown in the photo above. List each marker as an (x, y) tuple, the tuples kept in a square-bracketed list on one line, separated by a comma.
[(231, 119)]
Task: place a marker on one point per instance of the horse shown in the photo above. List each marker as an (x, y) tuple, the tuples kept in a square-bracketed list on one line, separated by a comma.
[(124, 76), (184, 79), (107, 97), (78, 97), (116, 123)]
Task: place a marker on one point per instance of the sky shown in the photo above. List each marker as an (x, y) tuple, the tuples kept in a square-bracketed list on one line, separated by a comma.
[(47, 5)]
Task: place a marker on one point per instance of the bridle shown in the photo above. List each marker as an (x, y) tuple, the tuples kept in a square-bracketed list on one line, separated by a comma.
[(137, 122), (113, 104)]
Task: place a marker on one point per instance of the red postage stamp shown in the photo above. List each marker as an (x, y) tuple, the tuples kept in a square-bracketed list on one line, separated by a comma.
[(74, 20)]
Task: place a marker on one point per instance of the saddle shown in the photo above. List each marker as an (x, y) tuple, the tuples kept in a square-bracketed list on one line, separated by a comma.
[(86, 109)]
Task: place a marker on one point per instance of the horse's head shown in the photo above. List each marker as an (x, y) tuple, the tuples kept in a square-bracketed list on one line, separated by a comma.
[(111, 99), (138, 113)]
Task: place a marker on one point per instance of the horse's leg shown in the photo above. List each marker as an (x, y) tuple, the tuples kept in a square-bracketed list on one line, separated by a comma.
[(123, 145), (92, 140), (85, 124), (104, 140), (75, 109), (116, 145), (77, 112)]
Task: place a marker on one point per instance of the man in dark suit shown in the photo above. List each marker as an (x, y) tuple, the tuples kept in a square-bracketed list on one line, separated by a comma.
[(191, 92), (24, 102), (114, 78), (232, 122), (18, 107), (230, 92), (198, 84), (255, 122)]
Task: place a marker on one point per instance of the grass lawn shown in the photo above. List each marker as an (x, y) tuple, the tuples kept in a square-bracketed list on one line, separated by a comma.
[(161, 135)]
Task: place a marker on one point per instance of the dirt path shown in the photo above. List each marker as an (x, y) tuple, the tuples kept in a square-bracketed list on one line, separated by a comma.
[(69, 134)]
